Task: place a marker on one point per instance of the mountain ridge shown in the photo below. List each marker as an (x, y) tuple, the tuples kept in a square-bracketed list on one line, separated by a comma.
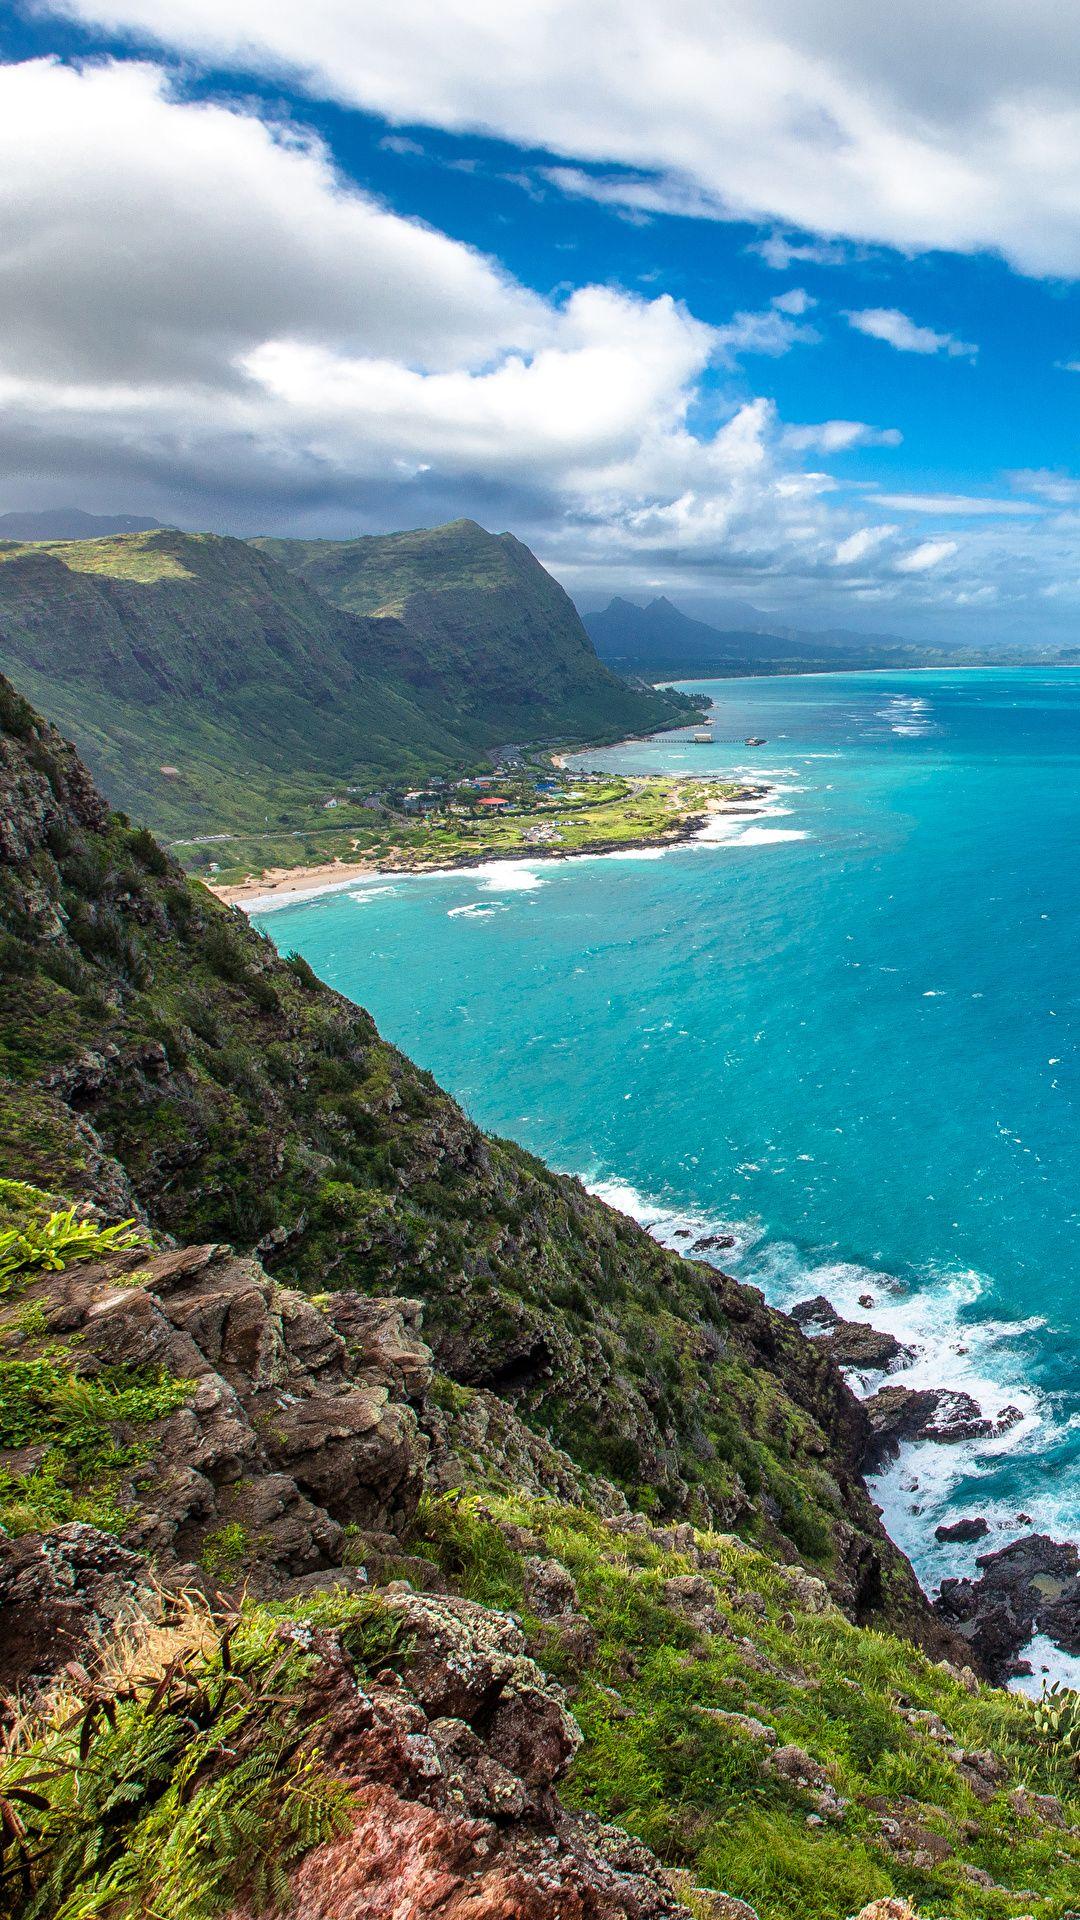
[(213, 688)]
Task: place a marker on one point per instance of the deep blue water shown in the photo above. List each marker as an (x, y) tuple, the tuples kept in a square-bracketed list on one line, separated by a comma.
[(860, 1044)]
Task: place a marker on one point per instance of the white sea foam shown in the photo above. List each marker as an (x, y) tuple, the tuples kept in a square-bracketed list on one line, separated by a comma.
[(370, 893), (769, 836), (505, 876), (938, 1322), (473, 912), (1048, 1664)]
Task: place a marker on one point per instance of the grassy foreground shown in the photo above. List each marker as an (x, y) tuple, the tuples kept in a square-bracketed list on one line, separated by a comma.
[(709, 1667)]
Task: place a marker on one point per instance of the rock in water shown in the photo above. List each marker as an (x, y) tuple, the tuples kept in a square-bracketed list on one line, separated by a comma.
[(1031, 1585), (963, 1530)]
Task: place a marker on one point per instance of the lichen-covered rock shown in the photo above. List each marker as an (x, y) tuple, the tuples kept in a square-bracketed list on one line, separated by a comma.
[(61, 1596), (454, 1815)]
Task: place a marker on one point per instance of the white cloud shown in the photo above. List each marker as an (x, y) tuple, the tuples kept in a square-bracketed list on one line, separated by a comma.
[(888, 324), (936, 127), (837, 436), (797, 301), (1061, 489), (640, 194), (195, 307), (193, 296), (144, 239), (780, 254), (952, 503), (773, 332), (859, 545), (930, 554)]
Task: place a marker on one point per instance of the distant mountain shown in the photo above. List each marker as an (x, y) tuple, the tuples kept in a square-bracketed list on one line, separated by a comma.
[(660, 637), (212, 688), (477, 630), (71, 523)]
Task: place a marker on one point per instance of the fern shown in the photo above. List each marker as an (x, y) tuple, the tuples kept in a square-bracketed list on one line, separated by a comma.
[(59, 1240)]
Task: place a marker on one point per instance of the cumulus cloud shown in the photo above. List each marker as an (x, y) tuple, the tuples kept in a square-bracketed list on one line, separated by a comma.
[(931, 553), (888, 324), (148, 240), (936, 127), (192, 296), (196, 307)]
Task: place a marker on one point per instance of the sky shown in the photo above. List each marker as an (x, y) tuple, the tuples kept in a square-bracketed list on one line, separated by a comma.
[(714, 298)]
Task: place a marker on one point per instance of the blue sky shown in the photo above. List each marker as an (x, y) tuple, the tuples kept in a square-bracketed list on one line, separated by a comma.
[(711, 299)]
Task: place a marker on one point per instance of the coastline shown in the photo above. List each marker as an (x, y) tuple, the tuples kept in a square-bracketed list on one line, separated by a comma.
[(917, 1481), (283, 886)]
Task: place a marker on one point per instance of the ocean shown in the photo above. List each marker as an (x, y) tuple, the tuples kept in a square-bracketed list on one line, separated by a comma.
[(847, 1031)]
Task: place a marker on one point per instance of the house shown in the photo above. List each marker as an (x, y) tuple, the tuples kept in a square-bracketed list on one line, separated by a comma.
[(492, 800)]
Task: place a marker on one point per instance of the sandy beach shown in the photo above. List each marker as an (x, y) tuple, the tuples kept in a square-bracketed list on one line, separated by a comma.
[(285, 882)]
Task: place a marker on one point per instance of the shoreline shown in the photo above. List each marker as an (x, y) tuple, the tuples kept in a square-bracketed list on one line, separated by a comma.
[(284, 886), (914, 1485)]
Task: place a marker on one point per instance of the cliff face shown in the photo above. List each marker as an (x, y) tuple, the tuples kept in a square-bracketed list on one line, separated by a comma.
[(208, 657), (159, 1057), (476, 627)]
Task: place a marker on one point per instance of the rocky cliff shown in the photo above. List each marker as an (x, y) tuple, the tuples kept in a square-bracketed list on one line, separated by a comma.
[(387, 1526)]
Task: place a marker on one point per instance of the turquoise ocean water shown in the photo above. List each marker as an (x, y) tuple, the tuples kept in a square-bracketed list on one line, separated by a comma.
[(850, 1030)]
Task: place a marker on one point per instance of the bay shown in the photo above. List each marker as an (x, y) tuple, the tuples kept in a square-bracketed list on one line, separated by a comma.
[(847, 1032)]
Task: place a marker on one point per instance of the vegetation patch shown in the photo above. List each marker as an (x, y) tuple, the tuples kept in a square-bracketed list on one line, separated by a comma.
[(683, 1712), (185, 1780), (84, 1433)]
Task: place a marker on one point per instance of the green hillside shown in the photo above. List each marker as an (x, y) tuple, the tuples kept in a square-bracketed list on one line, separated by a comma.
[(477, 628), (213, 689), (307, 1566), (189, 651)]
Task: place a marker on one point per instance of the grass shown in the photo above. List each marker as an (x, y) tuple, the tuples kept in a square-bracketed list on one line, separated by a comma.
[(143, 558), (86, 1429), (660, 1759), (46, 1239)]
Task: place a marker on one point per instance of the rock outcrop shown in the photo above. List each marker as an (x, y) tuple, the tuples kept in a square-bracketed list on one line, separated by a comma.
[(1032, 1585), (453, 1757), (301, 1421)]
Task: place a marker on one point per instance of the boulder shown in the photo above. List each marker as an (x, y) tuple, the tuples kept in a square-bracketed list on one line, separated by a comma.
[(454, 1813), (851, 1343), (298, 1424), (62, 1596)]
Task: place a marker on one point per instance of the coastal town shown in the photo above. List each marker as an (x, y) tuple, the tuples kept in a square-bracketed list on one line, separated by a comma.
[(526, 805)]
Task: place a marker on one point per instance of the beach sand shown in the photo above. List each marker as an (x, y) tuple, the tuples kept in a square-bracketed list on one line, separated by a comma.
[(286, 882)]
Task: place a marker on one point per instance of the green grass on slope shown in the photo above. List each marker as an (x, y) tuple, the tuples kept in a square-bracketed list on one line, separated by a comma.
[(663, 1757)]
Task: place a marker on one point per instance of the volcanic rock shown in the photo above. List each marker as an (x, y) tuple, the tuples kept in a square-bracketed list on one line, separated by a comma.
[(963, 1530), (1031, 1585)]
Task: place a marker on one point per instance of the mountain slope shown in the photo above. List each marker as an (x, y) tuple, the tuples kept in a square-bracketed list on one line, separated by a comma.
[(485, 633), (156, 1053), (212, 688), (196, 653)]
